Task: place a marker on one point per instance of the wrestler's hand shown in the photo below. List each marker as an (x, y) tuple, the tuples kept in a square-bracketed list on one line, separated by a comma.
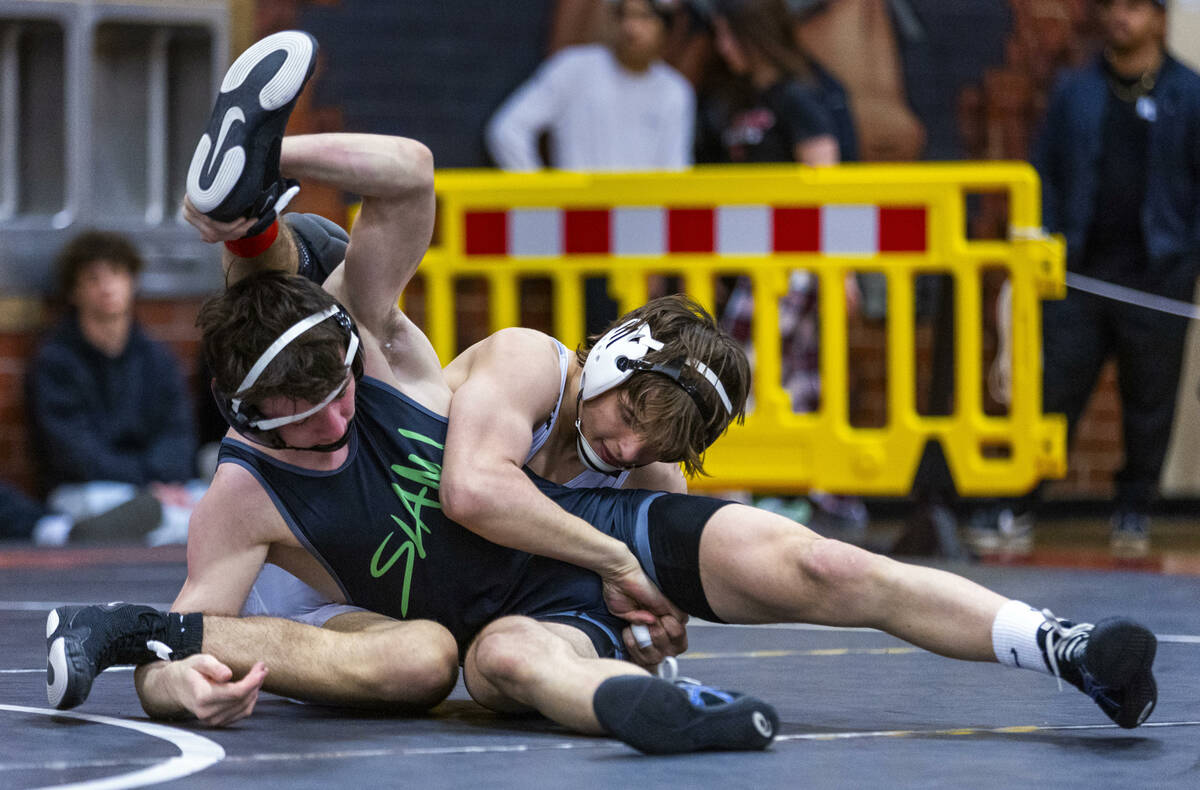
[(668, 637), (205, 687), (629, 594), (211, 230)]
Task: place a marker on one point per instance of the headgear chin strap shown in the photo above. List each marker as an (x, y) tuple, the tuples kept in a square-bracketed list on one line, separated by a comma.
[(618, 355), (590, 458), (248, 421)]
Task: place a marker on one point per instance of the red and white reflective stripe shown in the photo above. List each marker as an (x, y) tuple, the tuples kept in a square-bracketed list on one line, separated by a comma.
[(836, 229)]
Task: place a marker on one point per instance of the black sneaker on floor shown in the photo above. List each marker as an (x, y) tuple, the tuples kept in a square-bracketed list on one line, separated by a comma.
[(1110, 661), (83, 641), (129, 522), (235, 170)]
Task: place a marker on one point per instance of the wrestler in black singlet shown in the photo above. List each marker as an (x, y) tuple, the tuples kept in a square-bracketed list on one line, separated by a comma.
[(377, 527)]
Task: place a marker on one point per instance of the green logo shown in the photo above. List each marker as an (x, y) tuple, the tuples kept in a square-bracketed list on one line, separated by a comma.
[(422, 476)]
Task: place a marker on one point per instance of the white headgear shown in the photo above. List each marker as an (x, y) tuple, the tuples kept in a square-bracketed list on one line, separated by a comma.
[(615, 357)]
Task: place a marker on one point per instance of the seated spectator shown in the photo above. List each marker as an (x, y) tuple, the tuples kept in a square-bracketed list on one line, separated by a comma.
[(110, 415), (606, 107)]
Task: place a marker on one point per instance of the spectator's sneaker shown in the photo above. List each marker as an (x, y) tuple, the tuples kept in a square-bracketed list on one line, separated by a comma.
[(842, 517), (673, 715), (1130, 535), (1110, 661), (1000, 532), (130, 522), (235, 169), (83, 641)]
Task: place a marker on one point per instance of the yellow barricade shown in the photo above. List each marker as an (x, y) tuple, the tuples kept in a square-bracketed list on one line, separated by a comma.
[(899, 220)]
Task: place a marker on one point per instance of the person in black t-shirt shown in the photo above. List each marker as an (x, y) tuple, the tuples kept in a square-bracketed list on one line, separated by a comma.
[(773, 103)]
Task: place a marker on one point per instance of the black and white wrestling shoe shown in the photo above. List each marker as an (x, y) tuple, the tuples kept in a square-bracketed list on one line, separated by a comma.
[(1110, 661), (235, 170), (83, 641)]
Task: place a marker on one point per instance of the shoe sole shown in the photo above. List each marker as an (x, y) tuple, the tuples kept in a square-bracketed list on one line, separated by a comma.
[(228, 154), (746, 724), (1120, 655), (63, 665)]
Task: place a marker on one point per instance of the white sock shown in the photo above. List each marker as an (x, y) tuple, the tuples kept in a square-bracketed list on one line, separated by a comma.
[(1014, 637)]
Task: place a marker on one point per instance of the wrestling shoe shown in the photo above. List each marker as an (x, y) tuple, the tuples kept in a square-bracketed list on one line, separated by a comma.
[(235, 170), (83, 641), (1110, 661), (659, 716)]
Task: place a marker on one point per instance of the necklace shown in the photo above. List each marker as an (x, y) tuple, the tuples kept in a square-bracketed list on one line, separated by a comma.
[(1131, 93)]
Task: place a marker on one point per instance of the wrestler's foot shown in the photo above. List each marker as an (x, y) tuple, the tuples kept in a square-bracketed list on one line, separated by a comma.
[(657, 716), (83, 641), (235, 170), (1110, 661)]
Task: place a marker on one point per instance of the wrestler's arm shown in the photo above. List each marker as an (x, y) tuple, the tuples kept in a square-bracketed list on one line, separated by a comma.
[(226, 549), (394, 177), (511, 386)]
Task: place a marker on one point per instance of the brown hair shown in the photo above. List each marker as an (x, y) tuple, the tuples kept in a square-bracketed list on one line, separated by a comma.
[(240, 323), (88, 247), (674, 427), (765, 26)]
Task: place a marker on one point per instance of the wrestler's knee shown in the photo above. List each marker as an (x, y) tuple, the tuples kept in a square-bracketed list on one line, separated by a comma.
[(508, 650), (415, 665), (833, 564)]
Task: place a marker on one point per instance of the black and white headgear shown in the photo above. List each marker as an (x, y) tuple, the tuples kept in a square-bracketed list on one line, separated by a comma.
[(247, 420), (620, 353)]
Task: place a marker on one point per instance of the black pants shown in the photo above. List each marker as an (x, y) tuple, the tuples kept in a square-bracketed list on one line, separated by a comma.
[(1079, 334)]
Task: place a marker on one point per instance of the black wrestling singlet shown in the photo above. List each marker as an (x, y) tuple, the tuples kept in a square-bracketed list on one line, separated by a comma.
[(377, 527)]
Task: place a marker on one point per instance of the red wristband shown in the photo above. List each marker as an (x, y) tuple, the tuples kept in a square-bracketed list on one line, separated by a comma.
[(253, 246)]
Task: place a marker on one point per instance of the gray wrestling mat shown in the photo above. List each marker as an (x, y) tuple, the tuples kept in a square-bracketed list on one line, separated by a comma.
[(859, 708)]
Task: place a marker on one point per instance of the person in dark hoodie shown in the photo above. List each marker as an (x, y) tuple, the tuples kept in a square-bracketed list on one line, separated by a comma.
[(110, 416)]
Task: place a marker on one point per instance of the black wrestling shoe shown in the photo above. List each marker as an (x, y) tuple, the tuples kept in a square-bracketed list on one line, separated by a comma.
[(83, 641), (658, 716), (235, 170), (1110, 661)]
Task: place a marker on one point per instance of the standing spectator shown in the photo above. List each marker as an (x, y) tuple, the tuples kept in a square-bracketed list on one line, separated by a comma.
[(110, 416), (1119, 157), (606, 107), (773, 103)]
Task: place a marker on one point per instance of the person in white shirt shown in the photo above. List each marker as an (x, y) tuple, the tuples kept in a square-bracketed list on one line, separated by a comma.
[(608, 107)]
